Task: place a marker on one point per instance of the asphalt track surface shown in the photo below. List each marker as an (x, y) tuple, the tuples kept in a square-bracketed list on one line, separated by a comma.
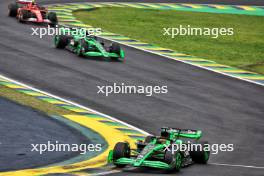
[(226, 109), (22, 126)]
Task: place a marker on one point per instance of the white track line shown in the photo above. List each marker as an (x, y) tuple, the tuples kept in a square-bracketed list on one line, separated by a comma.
[(131, 126), (153, 52), (236, 165), (105, 173), (217, 164), (107, 116), (75, 104)]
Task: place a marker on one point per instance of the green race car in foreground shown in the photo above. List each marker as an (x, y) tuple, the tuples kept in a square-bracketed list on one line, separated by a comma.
[(164, 152), (86, 45)]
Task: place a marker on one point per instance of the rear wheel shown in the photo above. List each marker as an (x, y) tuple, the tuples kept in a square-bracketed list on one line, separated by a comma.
[(200, 155), (52, 16), (12, 10), (61, 41), (121, 150)]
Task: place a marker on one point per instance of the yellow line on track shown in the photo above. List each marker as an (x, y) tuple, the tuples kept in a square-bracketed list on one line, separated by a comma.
[(247, 8)]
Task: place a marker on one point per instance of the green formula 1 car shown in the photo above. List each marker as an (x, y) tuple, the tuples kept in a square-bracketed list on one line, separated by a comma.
[(166, 151), (87, 45)]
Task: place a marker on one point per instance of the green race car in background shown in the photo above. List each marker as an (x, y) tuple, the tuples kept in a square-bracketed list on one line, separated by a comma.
[(161, 152), (86, 45)]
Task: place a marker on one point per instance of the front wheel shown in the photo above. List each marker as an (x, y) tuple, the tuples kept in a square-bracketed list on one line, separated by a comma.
[(174, 159), (23, 15), (115, 48), (82, 48), (121, 150)]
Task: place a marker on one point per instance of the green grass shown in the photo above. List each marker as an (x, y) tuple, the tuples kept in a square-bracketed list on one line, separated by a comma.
[(32, 102), (245, 49)]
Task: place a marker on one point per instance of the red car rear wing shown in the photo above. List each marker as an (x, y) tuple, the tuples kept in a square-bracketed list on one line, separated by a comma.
[(24, 1)]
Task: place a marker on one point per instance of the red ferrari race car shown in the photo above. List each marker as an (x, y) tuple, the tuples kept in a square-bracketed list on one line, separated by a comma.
[(28, 10)]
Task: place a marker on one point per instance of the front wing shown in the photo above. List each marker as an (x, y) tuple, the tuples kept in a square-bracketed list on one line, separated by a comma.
[(92, 53), (145, 163)]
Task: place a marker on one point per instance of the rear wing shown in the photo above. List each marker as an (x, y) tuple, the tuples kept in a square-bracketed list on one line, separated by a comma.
[(71, 31), (24, 1), (186, 133)]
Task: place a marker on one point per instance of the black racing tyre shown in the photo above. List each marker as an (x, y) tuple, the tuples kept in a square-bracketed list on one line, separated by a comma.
[(149, 138), (174, 159), (82, 48), (12, 10), (200, 155), (121, 150), (84, 44), (52, 16), (23, 15), (62, 41), (115, 48)]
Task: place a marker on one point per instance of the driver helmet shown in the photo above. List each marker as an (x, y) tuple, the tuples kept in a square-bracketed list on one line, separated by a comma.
[(33, 3)]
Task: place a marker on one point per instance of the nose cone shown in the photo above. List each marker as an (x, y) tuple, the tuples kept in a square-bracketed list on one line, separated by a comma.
[(137, 163), (39, 16), (105, 54)]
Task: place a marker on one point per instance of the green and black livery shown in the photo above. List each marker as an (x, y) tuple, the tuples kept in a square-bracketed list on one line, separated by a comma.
[(156, 151), (83, 44)]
